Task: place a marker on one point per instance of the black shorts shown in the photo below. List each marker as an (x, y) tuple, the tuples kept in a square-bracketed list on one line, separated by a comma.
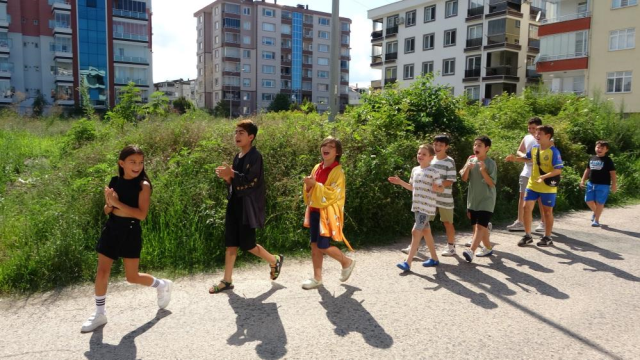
[(237, 234), (120, 237), (322, 242), (481, 218)]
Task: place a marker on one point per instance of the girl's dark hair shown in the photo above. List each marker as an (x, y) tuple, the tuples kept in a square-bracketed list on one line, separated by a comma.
[(124, 154), (336, 142)]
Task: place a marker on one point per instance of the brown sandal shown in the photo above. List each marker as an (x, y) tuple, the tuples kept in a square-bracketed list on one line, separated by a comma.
[(275, 269), (216, 288)]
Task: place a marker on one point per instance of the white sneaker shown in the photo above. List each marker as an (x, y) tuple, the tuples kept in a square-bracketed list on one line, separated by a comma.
[(346, 273), (468, 255), (516, 226), (94, 322), (490, 226), (406, 250), (450, 250), (311, 284), (484, 252), (164, 294), (540, 227), (468, 244)]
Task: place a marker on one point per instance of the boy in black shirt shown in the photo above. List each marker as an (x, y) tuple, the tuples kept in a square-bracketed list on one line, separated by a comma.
[(601, 173)]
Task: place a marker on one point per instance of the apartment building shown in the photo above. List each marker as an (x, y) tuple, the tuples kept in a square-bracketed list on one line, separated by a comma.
[(589, 47), (47, 46), (177, 88), (250, 51), (481, 48)]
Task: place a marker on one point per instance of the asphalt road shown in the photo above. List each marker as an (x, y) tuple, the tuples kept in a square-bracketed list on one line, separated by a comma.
[(576, 300)]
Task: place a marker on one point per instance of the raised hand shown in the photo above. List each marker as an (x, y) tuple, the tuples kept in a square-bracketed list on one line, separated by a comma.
[(309, 181), (395, 180)]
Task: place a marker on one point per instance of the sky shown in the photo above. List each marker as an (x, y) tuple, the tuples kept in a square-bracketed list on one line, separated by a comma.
[(174, 36)]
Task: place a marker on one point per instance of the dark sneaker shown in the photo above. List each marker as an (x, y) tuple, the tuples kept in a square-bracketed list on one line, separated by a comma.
[(526, 240), (545, 241)]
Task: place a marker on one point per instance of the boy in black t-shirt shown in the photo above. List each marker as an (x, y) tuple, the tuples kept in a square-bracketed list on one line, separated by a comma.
[(601, 173)]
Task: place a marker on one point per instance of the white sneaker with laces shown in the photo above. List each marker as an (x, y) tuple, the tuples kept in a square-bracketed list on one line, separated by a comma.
[(540, 227), (468, 255), (449, 251), (406, 250), (484, 252), (346, 272), (164, 294), (94, 322), (311, 284), (516, 226)]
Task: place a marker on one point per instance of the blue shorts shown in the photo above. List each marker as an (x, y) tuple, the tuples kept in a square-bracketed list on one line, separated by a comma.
[(548, 199), (322, 242), (597, 192), (422, 221)]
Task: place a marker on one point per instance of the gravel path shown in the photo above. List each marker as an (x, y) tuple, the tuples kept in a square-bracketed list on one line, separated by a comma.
[(575, 300)]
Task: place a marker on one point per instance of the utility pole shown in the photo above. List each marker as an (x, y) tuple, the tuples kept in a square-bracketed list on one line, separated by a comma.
[(334, 69)]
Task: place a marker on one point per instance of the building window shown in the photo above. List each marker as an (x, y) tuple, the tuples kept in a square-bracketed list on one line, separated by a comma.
[(323, 35), (324, 21), (216, 40), (246, 54), (216, 54), (217, 67), (344, 39), (246, 82), (472, 92), (451, 8), (268, 41), (622, 39), (323, 74), (246, 40), (408, 71), (268, 27), (410, 18), (564, 46), (615, 4), (246, 96), (474, 35), (268, 83), (322, 100), (246, 10), (200, 18), (448, 67), (619, 82), (323, 61), (345, 26), (268, 55), (323, 87), (268, 12), (390, 74), (246, 25), (430, 13), (268, 69), (323, 48), (409, 45), (246, 68), (427, 41), (268, 96), (450, 37), (427, 67), (392, 47), (217, 25)]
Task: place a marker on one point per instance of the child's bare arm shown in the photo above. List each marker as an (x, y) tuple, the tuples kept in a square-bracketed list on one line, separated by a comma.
[(397, 181)]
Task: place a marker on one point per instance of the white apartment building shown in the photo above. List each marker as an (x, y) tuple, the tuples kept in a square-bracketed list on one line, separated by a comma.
[(250, 51), (479, 47), (178, 88)]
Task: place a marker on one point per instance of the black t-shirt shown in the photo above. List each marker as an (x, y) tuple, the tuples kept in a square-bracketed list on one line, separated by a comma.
[(128, 190), (600, 170)]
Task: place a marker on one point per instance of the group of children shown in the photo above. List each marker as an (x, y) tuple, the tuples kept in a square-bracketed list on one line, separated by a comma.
[(127, 199)]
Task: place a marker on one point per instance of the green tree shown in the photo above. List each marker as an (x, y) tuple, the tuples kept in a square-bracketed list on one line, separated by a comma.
[(158, 104), (280, 103), (85, 99), (39, 103), (182, 105), (129, 107), (221, 109)]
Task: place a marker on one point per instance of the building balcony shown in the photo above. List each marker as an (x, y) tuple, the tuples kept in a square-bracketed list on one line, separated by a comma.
[(376, 84), (565, 24), (391, 31), (534, 45), (532, 75), (127, 80), (131, 59), (503, 40), (473, 44), (568, 17), (376, 60), (475, 13), (129, 36), (391, 56), (60, 5), (5, 21), (61, 28), (377, 35), (504, 7), (61, 50), (471, 75), (502, 72), (390, 81), (565, 62), (130, 14), (5, 46), (63, 75), (6, 70)]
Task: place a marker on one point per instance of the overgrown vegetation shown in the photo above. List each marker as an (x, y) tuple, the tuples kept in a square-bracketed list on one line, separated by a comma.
[(52, 173)]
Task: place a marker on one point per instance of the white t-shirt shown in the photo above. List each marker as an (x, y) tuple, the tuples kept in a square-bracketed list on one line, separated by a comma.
[(447, 169), (529, 141), (424, 198)]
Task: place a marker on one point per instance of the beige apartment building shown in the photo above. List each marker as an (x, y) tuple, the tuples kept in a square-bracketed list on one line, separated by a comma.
[(589, 47), (250, 51)]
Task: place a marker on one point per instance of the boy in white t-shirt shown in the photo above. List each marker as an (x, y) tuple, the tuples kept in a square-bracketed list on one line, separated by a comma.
[(424, 183)]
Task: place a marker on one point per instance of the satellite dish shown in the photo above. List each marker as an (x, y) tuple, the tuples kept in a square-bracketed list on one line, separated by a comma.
[(538, 16)]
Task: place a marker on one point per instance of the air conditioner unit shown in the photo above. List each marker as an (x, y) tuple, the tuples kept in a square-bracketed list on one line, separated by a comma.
[(400, 20)]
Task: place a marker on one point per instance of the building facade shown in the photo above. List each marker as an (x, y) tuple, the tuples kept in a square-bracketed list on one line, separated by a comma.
[(589, 47), (178, 88), (250, 51), (481, 48), (48, 46)]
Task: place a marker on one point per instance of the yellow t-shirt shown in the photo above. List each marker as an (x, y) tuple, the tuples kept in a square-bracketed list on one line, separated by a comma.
[(549, 159)]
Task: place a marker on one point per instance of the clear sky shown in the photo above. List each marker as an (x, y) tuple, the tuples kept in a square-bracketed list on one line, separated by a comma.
[(174, 36)]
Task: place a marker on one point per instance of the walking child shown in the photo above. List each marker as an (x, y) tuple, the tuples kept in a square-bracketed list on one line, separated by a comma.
[(245, 206), (601, 173), (324, 194), (482, 174), (424, 183), (127, 199), (543, 183)]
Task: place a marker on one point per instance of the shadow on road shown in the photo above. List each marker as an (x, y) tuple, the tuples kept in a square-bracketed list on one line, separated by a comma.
[(259, 321), (126, 349), (348, 315), (624, 232), (579, 245)]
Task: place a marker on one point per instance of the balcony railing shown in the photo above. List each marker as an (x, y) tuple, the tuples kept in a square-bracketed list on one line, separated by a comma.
[(568, 17), (502, 70), (532, 73), (503, 39), (563, 56), (63, 72), (392, 30), (534, 43), (65, 2), (391, 56), (390, 80), (6, 44), (474, 42), (472, 73), (131, 59), (6, 67), (475, 11), (129, 36), (60, 48), (378, 34), (498, 2), (376, 59), (130, 14), (126, 80)]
